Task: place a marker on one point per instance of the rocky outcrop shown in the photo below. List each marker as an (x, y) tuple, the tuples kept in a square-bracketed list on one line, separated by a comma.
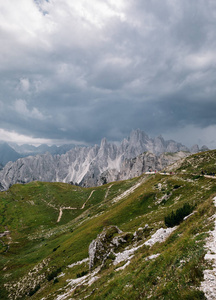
[(104, 246), (142, 163), (194, 149), (118, 246)]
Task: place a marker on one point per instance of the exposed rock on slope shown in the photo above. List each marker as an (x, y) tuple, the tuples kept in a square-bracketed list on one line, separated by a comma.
[(111, 242), (102, 246)]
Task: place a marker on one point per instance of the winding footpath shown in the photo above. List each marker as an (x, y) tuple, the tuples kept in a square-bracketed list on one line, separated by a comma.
[(107, 192), (87, 199), (73, 208), (61, 212)]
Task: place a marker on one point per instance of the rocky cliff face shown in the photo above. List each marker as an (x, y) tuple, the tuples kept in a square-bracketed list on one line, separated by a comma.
[(93, 166), (136, 166)]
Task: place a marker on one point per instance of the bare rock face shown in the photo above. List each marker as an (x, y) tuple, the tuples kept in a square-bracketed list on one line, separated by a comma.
[(142, 163), (93, 166), (194, 149), (104, 246), (100, 248), (112, 242)]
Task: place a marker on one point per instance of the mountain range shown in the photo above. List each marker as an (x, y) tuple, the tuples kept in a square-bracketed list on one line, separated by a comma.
[(26, 149), (12, 151), (95, 165)]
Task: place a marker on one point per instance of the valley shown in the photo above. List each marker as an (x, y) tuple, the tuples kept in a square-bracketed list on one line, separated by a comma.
[(111, 241)]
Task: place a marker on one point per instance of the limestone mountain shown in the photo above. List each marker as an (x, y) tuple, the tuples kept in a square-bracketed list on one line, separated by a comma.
[(96, 165), (12, 151)]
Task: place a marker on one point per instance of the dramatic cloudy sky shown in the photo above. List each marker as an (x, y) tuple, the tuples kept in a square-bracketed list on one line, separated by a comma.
[(82, 70)]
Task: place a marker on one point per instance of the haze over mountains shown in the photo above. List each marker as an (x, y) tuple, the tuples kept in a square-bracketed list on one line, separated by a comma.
[(95, 165), (12, 151)]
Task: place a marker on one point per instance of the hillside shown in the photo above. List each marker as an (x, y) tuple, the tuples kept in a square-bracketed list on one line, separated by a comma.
[(47, 228)]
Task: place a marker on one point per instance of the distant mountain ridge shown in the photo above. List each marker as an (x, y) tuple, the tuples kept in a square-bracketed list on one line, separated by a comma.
[(12, 151), (7, 154), (96, 165), (26, 149)]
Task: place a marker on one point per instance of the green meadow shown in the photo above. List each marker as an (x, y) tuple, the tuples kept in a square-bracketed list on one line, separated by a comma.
[(35, 255)]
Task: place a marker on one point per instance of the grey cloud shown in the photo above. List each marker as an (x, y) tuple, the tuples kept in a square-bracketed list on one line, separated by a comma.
[(86, 78)]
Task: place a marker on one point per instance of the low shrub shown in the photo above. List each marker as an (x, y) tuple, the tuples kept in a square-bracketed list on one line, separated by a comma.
[(53, 274), (196, 177), (83, 273), (176, 186), (175, 218), (55, 248), (33, 291)]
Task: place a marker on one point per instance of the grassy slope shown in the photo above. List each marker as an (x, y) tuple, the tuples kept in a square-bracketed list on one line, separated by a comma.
[(26, 211), (205, 161)]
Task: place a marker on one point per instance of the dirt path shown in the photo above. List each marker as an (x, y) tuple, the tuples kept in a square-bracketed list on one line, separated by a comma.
[(61, 212), (107, 192), (49, 204), (116, 199), (87, 199), (73, 208), (4, 233), (209, 176)]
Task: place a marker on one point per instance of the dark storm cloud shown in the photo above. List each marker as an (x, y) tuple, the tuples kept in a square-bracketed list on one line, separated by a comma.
[(84, 70)]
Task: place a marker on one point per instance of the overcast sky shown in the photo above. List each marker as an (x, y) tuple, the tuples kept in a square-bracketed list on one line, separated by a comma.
[(81, 70)]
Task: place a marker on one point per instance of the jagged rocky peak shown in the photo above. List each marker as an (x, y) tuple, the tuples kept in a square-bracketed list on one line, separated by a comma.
[(136, 143), (194, 149), (173, 146), (104, 143), (138, 136), (93, 166), (159, 144), (204, 148)]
